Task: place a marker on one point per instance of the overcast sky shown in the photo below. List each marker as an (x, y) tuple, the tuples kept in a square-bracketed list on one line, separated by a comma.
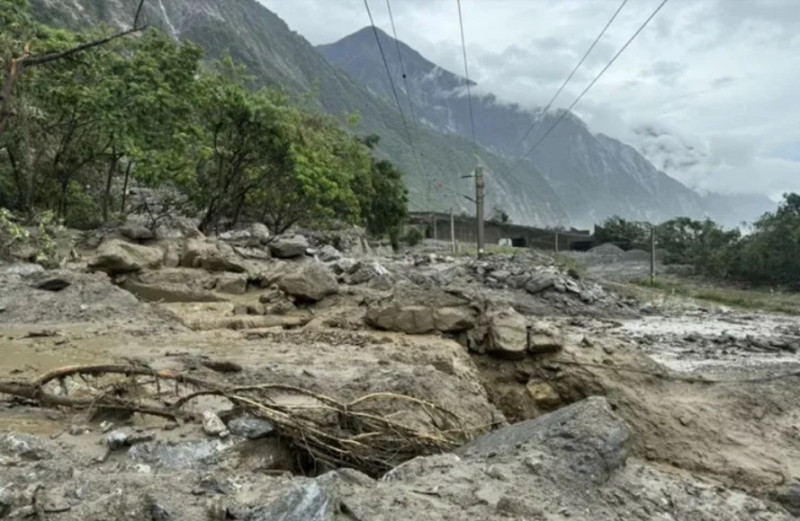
[(722, 76)]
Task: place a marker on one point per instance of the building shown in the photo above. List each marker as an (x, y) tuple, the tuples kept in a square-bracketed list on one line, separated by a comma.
[(437, 226)]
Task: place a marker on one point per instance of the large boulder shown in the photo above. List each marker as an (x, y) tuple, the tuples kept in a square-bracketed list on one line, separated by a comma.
[(590, 439), (405, 319), (136, 232), (116, 256), (259, 232), (312, 281), (453, 320), (288, 247), (508, 333), (198, 253)]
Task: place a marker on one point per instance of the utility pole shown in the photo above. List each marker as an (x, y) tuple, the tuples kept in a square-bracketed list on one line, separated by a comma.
[(480, 186), (652, 255), (453, 230), (435, 232), (556, 248)]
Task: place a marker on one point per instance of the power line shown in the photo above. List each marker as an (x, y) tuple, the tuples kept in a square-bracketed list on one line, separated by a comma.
[(417, 153), (466, 74), (591, 84), (571, 74), (388, 73)]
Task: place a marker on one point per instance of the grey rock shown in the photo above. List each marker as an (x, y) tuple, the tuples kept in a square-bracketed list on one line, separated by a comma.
[(345, 266), (235, 235), (232, 283), (252, 253), (136, 232), (405, 319), (788, 495), (508, 333), (213, 425), (181, 455), (540, 282), (24, 446), (259, 231), (22, 269), (289, 247), (587, 438), (117, 440), (328, 253), (313, 281), (198, 253), (453, 320), (308, 502), (116, 256), (250, 428), (501, 275)]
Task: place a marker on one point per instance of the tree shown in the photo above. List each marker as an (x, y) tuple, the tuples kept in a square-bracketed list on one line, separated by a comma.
[(498, 215), (625, 234), (703, 244)]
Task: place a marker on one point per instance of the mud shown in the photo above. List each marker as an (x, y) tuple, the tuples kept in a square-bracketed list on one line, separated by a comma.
[(700, 417)]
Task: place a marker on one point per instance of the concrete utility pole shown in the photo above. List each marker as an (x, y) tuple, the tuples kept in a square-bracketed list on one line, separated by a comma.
[(556, 248), (453, 230), (652, 255), (480, 186), (434, 232)]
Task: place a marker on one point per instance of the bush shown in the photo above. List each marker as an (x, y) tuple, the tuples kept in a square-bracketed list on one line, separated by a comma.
[(413, 236)]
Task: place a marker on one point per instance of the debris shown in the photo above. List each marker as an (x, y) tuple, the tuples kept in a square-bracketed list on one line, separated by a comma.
[(213, 426)]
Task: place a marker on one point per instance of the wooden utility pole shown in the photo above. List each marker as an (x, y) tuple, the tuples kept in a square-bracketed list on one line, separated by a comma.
[(480, 186), (453, 230), (652, 255)]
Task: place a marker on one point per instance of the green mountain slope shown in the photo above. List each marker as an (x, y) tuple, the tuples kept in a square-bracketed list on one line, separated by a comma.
[(278, 57)]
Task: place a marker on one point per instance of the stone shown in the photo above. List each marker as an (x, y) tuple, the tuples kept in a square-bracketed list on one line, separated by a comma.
[(180, 455), (544, 338), (788, 495), (405, 319), (260, 232), (543, 395), (136, 232), (24, 446), (345, 266), (232, 283), (308, 502), (508, 333), (51, 282), (235, 235), (271, 295), (540, 282), (117, 440), (252, 253), (116, 256), (453, 320), (313, 281), (289, 247), (250, 428), (590, 440), (21, 269), (329, 254), (198, 253), (500, 275), (167, 292), (213, 425)]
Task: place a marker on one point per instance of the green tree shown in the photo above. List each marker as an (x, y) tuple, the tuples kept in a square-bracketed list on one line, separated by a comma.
[(703, 244), (624, 233)]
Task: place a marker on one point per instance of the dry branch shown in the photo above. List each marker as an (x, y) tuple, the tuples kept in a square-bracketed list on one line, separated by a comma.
[(330, 432)]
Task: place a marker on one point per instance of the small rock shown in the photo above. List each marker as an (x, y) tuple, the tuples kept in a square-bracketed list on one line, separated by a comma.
[(117, 440), (540, 282), (508, 333), (78, 430), (213, 426), (250, 428), (308, 502), (259, 231), (271, 295), (232, 284), (136, 232), (288, 247), (543, 395), (329, 254)]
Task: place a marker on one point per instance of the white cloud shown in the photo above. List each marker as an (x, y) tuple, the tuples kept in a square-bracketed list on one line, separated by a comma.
[(721, 73)]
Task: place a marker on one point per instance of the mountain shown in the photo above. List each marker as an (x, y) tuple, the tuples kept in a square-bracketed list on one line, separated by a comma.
[(276, 56), (594, 175)]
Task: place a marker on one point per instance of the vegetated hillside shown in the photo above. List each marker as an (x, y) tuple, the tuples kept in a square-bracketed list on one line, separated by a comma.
[(277, 56), (595, 176)]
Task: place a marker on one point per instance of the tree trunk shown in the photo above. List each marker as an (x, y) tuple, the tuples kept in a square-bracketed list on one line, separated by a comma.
[(125, 187), (112, 169)]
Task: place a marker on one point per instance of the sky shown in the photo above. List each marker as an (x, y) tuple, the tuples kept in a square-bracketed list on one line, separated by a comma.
[(710, 90)]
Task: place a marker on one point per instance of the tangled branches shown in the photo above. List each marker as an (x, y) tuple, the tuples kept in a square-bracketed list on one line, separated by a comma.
[(373, 433)]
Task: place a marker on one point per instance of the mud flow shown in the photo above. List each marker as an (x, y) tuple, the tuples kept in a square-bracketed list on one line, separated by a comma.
[(283, 378)]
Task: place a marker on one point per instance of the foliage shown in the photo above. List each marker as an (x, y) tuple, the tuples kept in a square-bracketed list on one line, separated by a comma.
[(15, 238), (499, 216), (624, 233), (148, 111), (413, 236), (703, 244)]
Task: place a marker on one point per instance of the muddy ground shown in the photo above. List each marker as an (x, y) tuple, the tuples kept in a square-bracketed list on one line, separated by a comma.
[(583, 402)]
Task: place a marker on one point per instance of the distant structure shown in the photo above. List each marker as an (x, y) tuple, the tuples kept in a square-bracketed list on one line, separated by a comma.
[(437, 226)]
